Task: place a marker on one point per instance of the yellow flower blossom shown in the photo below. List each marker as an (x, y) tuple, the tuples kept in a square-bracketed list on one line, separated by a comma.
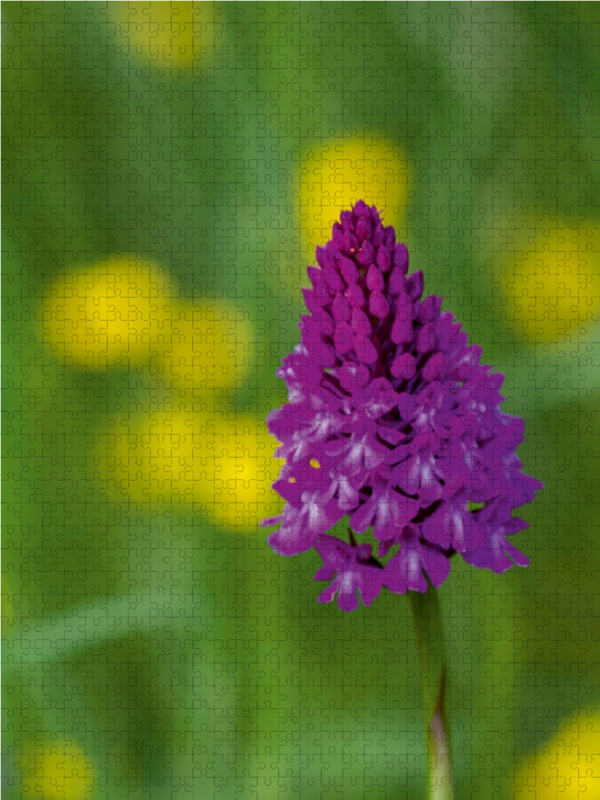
[(113, 313), (244, 469), (568, 767), (554, 285), (343, 171), (58, 771), (221, 462), (150, 458), (164, 34), (210, 346)]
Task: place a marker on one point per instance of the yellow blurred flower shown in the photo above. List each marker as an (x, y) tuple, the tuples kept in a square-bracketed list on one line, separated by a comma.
[(223, 462), (171, 34), (151, 458), (58, 771), (342, 171), (243, 469), (554, 285), (209, 346), (568, 767), (110, 314)]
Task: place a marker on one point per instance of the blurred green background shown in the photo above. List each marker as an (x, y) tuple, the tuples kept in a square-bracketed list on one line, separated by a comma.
[(168, 170)]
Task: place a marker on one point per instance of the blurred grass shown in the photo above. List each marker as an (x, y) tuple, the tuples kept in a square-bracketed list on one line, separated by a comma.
[(168, 168)]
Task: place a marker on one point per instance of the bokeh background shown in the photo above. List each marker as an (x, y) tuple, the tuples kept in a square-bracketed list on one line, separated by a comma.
[(168, 169)]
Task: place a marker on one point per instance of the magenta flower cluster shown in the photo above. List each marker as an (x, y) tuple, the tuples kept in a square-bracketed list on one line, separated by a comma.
[(391, 421)]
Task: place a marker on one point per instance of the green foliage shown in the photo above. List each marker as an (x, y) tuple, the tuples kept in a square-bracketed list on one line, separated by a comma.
[(185, 659)]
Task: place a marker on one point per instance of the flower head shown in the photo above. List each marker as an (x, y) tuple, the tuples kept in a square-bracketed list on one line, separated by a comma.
[(393, 421), (112, 314), (352, 568)]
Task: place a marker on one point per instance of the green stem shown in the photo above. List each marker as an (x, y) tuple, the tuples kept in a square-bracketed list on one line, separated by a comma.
[(429, 632)]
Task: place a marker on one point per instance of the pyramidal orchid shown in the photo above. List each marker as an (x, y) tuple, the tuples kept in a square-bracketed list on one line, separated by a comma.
[(393, 422)]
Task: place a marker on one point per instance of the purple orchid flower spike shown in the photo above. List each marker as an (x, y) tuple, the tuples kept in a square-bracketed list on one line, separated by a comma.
[(392, 421), (352, 569)]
